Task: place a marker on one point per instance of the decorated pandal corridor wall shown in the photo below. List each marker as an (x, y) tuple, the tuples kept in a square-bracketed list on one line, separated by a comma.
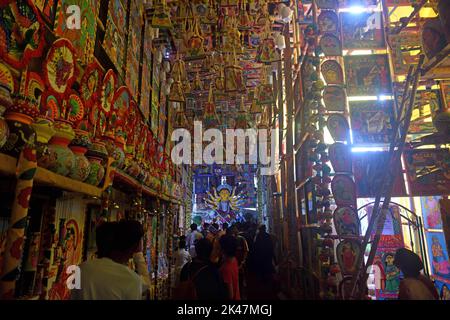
[(89, 99)]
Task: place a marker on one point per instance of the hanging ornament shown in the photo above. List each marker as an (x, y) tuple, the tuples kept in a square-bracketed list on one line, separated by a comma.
[(344, 190), (328, 22), (330, 45), (75, 111), (332, 72), (59, 67), (176, 92), (180, 121)]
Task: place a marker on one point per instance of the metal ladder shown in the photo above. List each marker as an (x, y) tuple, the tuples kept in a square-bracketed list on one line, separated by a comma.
[(389, 172)]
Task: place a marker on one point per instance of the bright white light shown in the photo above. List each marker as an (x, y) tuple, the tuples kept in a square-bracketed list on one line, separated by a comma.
[(385, 97), (367, 149), (355, 9), (362, 98)]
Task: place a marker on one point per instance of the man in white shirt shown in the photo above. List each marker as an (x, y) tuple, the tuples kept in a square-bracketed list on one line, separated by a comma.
[(181, 257), (191, 238), (108, 276)]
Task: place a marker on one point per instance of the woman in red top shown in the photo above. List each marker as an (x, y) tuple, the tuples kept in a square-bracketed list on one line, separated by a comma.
[(229, 268)]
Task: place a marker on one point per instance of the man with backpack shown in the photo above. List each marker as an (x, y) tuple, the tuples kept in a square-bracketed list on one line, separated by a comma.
[(199, 279)]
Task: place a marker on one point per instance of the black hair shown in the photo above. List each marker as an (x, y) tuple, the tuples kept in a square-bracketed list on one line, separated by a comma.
[(215, 225), (104, 237), (224, 226), (182, 244), (229, 245), (408, 262), (193, 226), (129, 233), (203, 248)]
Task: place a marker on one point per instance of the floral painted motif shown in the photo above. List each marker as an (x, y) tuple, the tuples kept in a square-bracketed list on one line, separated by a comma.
[(24, 197)]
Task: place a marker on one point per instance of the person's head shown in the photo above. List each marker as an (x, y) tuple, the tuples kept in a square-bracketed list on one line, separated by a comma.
[(104, 237), (215, 225), (408, 262), (182, 238), (233, 230), (228, 245), (262, 228), (224, 226), (389, 258), (205, 226), (203, 249), (193, 227), (128, 240), (182, 244)]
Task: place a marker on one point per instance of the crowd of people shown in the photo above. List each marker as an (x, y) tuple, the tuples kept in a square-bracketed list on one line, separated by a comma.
[(229, 263), (225, 263)]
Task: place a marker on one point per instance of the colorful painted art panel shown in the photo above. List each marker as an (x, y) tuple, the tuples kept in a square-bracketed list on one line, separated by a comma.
[(162, 119), (362, 31), (134, 48), (438, 255), (371, 121), (431, 212), (114, 44), (154, 118), (392, 235), (367, 75), (390, 274), (83, 40), (428, 171)]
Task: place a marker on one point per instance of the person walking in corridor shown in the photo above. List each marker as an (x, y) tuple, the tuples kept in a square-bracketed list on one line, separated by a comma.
[(229, 268), (414, 286)]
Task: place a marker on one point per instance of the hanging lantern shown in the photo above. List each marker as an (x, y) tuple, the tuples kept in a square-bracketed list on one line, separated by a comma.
[(176, 92), (264, 121), (210, 118), (264, 91), (242, 117), (198, 84), (266, 51), (161, 17), (255, 108), (180, 119), (245, 23), (195, 49), (234, 78)]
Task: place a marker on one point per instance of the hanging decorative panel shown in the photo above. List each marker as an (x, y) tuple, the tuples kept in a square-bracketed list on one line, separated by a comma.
[(367, 167), (367, 75), (428, 171), (362, 31), (114, 42), (155, 98), (371, 121), (83, 40), (134, 47)]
